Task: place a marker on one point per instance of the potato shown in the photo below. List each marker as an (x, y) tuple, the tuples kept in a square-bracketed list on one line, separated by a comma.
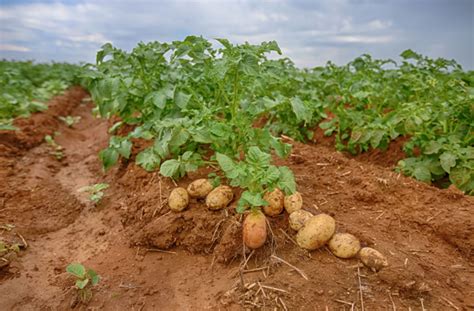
[(275, 202), (219, 197), (372, 258), (178, 199), (199, 188), (254, 230), (316, 232), (298, 218), (344, 245), (293, 202)]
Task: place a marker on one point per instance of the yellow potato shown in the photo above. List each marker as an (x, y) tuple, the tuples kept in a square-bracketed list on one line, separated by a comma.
[(344, 245), (178, 199), (372, 258), (199, 188), (254, 230), (219, 197), (298, 218), (275, 202), (293, 202), (316, 232)]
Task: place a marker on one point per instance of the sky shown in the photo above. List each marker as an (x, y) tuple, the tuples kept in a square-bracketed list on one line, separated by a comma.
[(310, 32)]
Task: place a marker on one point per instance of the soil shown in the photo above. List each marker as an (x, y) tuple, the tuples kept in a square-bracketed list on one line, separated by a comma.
[(152, 259)]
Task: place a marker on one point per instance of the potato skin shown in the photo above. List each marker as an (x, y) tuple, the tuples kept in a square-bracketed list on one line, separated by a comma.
[(293, 202), (372, 258), (344, 245), (254, 230), (298, 218), (199, 188), (178, 199), (316, 232), (219, 198), (275, 202)]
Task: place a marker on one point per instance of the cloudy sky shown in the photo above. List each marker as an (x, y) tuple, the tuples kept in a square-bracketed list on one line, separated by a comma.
[(310, 32)]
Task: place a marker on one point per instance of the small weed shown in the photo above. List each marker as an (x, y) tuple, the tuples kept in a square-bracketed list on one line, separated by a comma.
[(85, 279), (56, 149), (96, 191), (70, 120)]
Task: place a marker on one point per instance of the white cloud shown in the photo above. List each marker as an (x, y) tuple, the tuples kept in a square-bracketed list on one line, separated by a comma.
[(378, 24), (309, 32), (363, 39), (13, 48)]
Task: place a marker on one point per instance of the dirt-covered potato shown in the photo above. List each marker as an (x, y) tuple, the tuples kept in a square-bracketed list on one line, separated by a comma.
[(178, 199), (298, 218), (219, 198), (199, 188), (275, 202), (254, 230), (316, 232), (372, 258), (293, 202), (344, 245)]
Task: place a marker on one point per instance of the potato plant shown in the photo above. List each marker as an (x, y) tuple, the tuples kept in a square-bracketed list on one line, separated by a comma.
[(188, 97), (25, 87), (95, 191), (85, 279)]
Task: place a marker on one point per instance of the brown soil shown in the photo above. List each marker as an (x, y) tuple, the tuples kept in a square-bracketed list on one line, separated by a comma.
[(152, 259)]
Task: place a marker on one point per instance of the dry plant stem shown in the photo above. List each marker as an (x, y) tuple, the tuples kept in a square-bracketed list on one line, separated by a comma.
[(244, 265), (158, 208), (450, 303), (288, 237), (422, 305), (214, 234), (378, 217), (283, 304), (262, 290), (360, 290), (167, 213), (344, 302), (273, 241), (254, 270), (274, 288), (393, 303), (303, 275), (159, 251), (22, 239), (216, 230)]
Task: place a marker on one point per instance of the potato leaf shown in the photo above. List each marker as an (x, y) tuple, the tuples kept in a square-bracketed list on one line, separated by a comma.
[(76, 269), (448, 161), (170, 168), (148, 159)]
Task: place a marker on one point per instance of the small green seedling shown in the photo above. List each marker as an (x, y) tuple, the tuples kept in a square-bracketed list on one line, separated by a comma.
[(85, 279), (96, 191), (57, 150), (70, 120)]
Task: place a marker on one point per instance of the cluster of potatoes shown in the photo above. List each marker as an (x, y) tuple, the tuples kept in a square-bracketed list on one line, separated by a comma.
[(313, 231), (317, 231), (216, 199)]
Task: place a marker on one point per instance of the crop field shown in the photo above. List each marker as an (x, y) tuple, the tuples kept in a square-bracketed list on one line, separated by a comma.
[(206, 175)]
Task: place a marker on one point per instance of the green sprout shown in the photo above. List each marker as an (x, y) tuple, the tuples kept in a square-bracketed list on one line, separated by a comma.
[(96, 191), (70, 120), (85, 279)]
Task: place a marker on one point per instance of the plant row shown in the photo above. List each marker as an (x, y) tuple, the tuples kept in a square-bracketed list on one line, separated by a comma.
[(25, 87)]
